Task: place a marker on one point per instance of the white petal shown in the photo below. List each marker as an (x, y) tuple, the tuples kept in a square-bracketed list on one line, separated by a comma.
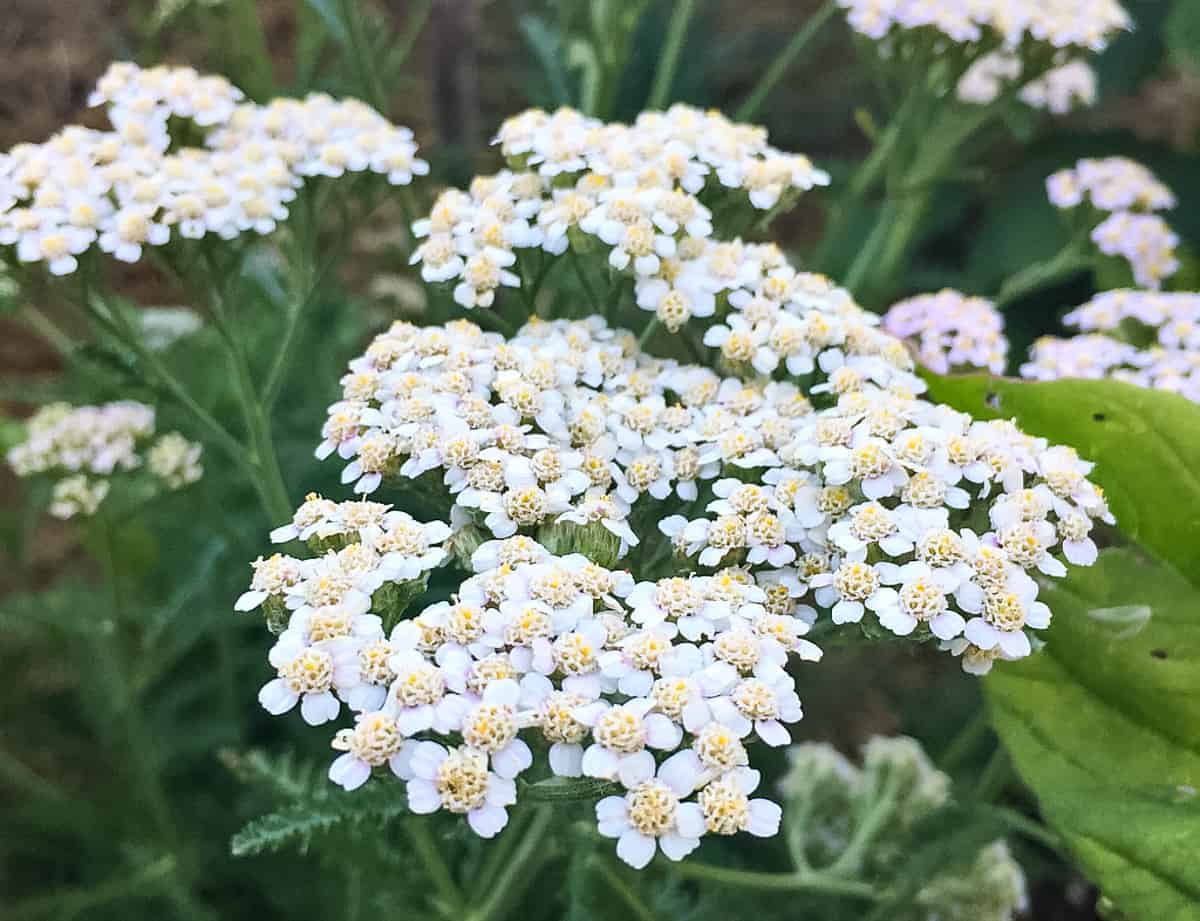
[(566, 760), (349, 772), (512, 759), (487, 820), (676, 847), (681, 772), (636, 849), (635, 769), (764, 818), (423, 796)]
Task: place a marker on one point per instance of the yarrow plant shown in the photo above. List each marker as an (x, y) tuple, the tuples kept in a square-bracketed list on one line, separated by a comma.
[(83, 450), (632, 487), (641, 544), (1122, 196), (955, 70), (133, 187)]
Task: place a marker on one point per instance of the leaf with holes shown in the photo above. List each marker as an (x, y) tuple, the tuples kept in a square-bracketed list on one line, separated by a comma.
[(1145, 444), (1103, 726)]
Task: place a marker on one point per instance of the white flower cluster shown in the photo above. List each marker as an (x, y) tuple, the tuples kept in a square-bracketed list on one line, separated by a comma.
[(1145, 241), (1109, 184), (950, 331), (806, 476), (1128, 191), (1164, 352), (1067, 86), (137, 186), (82, 448), (1088, 24), (631, 190), (605, 670)]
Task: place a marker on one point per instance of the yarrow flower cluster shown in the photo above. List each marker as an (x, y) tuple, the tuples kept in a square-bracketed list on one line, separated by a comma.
[(1086, 24), (1128, 193), (1147, 338), (631, 191), (950, 331), (805, 478), (83, 449), (134, 186), (1067, 86)]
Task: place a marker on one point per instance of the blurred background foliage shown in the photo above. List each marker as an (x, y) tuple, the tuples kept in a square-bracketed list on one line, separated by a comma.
[(128, 728)]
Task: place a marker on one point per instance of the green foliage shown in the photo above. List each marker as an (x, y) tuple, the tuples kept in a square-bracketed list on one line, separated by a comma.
[(1182, 34), (324, 809), (1101, 726)]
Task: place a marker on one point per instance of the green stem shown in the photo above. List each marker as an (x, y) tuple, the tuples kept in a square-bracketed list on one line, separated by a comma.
[(269, 480), (1023, 825), (860, 268), (250, 47), (648, 332), (850, 861), (668, 62), (995, 776), (963, 742), (1071, 259), (632, 901), (783, 61), (896, 248), (439, 874), (815, 881), (499, 851), (138, 742), (372, 88), (519, 872), (127, 334), (48, 330)]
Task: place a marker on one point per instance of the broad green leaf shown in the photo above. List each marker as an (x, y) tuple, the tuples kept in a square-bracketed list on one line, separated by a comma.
[(1103, 725), (1145, 444)]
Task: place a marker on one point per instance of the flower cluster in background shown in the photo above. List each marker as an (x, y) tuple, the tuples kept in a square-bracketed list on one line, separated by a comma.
[(950, 331), (1148, 338), (1087, 24), (1127, 194), (1062, 89), (138, 186), (84, 449), (635, 192)]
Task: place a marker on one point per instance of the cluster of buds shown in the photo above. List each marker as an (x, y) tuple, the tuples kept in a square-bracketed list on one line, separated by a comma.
[(833, 805), (1148, 338), (1124, 195), (632, 192), (82, 449), (950, 331), (137, 186)]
